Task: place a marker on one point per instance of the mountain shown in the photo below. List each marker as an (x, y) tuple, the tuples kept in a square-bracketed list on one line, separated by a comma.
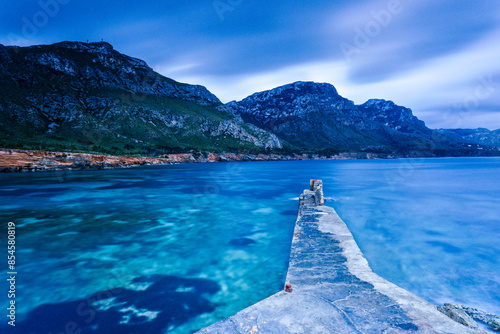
[(309, 115), (89, 97), (478, 136), (395, 117)]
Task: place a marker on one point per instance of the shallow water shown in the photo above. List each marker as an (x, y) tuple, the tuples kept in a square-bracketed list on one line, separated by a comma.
[(174, 247), (182, 246), (431, 226)]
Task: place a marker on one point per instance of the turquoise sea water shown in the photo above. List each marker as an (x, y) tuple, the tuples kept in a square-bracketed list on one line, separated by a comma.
[(178, 247)]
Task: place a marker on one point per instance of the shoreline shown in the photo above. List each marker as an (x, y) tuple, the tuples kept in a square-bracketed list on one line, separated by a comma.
[(18, 160)]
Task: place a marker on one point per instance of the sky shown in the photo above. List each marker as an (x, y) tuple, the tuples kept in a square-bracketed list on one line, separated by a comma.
[(441, 58)]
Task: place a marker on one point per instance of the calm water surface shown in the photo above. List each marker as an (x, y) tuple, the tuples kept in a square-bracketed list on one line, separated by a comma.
[(179, 247)]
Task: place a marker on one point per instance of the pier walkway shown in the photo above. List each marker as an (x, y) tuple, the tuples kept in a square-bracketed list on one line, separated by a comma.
[(332, 289)]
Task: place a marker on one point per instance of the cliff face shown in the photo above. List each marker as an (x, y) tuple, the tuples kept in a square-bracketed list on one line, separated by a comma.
[(393, 116), (309, 115), (88, 96), (480, 136), (313, 115), (94, 66)]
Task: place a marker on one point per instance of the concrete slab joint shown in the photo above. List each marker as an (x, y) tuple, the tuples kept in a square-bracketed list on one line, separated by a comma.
[(332, 289)]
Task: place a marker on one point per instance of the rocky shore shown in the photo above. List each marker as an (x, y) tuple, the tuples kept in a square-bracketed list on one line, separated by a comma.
[(14, 160)]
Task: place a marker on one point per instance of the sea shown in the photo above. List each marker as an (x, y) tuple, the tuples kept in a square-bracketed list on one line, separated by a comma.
[(176, 248)]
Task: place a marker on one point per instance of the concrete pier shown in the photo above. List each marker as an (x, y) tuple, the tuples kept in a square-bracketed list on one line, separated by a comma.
[(332, 289)]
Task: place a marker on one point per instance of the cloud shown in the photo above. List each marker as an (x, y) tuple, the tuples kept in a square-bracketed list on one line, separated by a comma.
[(384, 39), (461, 86), (236, 87), (428, 55), (469, 120)]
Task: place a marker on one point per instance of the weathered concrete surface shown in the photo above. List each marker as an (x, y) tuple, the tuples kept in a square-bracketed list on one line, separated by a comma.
[(334, 289)]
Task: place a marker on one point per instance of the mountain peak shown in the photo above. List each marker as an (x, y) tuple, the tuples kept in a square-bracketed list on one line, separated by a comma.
[(80, 95), (103, 50), (390, 114), (307, 87), (311, 85), (85, 46), (295, 109), (95, 65), (380, 103), (296, 90)]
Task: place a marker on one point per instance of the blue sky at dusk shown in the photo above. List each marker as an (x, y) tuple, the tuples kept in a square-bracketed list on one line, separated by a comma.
[(439, 58)]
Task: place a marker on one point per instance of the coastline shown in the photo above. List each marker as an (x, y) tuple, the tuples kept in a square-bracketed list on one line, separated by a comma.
[(17, 160)]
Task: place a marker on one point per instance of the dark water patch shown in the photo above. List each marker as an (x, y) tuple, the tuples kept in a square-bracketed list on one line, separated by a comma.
[(32, 192), (119, 185), (490, 258), (43, 195), (445, 247), (288, 213), (168, 301), (48, 216), (49, 190), (241, 242), (259, 194), (142, 184), (190, 190), (433, 233), (14, 193), (213, 188), (85, 230)]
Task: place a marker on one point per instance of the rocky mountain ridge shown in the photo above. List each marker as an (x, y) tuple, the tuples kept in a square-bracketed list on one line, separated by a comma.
[(90, 97), (479, 136), (394, 116), (99, 65), (313, 115)]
